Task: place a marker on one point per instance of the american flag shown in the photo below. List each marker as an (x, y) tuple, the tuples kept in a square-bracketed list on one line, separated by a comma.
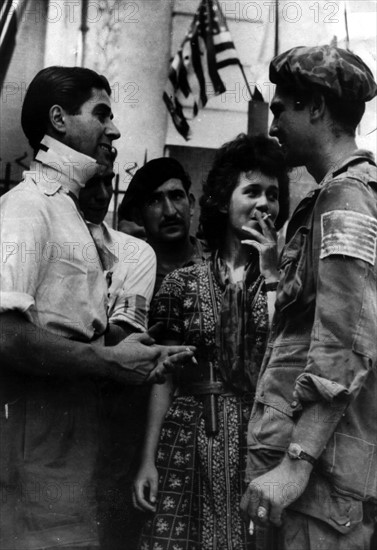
[(10, 16), (194, 71)]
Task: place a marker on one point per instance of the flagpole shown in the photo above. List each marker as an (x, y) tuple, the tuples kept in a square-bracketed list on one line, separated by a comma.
[(276, 27), (246, 82), (346, 25)]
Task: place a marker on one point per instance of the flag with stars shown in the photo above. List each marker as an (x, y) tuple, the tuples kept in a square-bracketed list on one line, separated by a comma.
[(194, 71)]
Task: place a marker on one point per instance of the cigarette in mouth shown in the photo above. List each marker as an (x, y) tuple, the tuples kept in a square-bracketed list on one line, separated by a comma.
[(265, 216)]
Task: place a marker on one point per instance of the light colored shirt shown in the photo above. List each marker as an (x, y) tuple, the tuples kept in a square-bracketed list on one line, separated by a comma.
[(49, 269), (131, 273)]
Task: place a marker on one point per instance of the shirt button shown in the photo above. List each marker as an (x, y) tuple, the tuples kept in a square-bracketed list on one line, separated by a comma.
[(294, 404)]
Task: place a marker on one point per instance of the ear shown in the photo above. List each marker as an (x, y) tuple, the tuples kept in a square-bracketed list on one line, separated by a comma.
[(317, 107), (192, 204), (56, 119)]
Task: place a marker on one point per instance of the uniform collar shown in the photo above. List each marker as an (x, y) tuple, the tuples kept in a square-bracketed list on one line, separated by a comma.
[(359, 155), (58, 166)]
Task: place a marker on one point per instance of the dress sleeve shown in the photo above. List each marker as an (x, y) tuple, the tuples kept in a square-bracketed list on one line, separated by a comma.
[(343, 340), (167, 306)]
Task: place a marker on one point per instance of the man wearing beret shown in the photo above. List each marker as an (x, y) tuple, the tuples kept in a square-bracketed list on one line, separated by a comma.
[(159, 199), (313, 434)]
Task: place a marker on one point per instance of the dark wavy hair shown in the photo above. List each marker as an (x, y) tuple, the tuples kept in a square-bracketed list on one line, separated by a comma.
[(243, 154), (68, 87)]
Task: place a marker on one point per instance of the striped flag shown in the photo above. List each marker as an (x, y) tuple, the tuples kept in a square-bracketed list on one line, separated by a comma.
[(194, 71), (10, 15)]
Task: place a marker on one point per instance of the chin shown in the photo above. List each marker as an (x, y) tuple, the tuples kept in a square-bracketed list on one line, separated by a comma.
[(293, 160), (175, 233), (172, 237), (103, 157)]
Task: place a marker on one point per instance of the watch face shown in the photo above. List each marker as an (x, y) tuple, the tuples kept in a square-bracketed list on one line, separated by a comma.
[(294, 450)]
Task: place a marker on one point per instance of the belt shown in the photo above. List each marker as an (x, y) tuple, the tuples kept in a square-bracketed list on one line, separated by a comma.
[(206, 387), (208, 391)]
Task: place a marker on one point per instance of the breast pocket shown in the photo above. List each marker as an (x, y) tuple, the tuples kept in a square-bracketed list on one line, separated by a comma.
[(292, 267), (352, 464)]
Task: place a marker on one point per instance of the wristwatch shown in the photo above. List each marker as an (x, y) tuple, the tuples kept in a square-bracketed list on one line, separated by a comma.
[(295, 452)]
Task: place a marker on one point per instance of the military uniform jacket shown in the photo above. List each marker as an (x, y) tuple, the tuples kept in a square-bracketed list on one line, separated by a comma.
[(323, 342)]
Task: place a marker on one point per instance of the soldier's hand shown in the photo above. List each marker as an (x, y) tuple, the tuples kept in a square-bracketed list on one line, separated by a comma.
[(267, 496)]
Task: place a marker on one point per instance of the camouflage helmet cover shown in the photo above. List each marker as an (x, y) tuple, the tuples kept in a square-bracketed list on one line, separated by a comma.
[(339, 71)]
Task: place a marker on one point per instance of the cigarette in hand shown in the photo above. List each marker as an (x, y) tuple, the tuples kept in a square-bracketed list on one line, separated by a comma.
[(251, 527), (193, 360)]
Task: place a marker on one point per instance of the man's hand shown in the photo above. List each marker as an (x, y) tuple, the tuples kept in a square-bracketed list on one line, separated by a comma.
[(143, 361), (175, 357), (268, 495), (137, 358), (171, 358)]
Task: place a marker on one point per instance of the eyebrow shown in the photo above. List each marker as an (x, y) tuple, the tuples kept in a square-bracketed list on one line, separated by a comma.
[(167, 192), (276, 106), (257, 186), (104, 107)]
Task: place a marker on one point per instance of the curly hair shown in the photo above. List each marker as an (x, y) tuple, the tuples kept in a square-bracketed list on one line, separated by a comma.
[(243, 154)]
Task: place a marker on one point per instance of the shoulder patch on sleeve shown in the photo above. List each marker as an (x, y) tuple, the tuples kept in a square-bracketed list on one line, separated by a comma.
[(349, 233)]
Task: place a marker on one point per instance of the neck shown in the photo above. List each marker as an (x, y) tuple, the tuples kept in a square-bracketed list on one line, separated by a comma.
[(66, 166), (236, 256), (329, 155), (175, 253)]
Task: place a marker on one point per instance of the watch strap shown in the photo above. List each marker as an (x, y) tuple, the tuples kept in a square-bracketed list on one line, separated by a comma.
[(295, 452)]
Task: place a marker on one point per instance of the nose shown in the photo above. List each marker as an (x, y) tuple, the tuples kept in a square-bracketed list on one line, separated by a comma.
[(273, 129), (262, 203), (168, 208), (112, 131)]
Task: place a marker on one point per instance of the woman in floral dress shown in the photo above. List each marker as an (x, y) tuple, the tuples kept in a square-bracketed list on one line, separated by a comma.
[(191, 478)]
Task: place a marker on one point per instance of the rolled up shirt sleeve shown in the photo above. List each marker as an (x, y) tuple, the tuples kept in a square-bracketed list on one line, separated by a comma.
[(344, 334), (132, 285), (15, 301), (22, 238)]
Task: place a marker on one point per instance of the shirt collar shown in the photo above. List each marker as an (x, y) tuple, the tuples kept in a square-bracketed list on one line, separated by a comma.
[(199, 254), (357, 156), (63, 167)]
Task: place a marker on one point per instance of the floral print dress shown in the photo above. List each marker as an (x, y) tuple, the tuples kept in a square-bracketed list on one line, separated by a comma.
[(201, 476)]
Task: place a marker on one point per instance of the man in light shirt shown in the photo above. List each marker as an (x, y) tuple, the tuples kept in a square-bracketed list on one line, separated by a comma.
[(53, 320)]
